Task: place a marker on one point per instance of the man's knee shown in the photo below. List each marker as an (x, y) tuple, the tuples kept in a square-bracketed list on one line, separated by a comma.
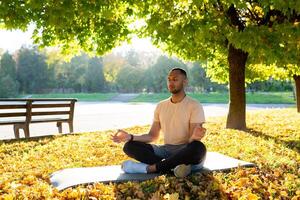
[(199, 151), (128, 146), (197, 146)]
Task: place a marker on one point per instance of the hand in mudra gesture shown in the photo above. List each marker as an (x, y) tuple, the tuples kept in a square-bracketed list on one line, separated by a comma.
[(120, 136), (198, 133)]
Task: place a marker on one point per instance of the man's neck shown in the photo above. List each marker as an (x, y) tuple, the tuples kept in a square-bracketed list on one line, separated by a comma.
[(176, 98)]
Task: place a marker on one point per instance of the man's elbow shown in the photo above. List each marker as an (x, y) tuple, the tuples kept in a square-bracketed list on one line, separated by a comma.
[(153, 138)]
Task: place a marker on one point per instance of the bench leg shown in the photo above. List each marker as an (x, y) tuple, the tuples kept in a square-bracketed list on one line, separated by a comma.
[(25, 128), (59, 126), (71, 127), (17, 131), (26, 131)]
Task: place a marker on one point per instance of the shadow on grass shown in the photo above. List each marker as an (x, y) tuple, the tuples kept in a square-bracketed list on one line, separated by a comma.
[(38, 138), (292, 144), (31, 143)]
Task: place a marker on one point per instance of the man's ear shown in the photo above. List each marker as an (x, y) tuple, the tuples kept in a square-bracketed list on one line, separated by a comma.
[(185, 82)]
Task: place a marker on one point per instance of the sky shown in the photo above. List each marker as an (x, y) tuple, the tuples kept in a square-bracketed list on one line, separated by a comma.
[(13, 40)]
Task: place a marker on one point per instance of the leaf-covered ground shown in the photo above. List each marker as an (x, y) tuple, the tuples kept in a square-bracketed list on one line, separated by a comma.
[(272, 142)]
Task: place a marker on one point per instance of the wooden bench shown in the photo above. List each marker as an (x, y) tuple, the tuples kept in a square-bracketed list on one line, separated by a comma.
[(22, 112)]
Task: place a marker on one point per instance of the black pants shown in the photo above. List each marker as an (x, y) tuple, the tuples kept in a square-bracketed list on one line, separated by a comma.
[(193, 153)]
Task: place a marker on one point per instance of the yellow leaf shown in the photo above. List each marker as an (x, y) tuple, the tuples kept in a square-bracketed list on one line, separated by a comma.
[(173, 196), (252, 197), (242, 182), (283, 193)]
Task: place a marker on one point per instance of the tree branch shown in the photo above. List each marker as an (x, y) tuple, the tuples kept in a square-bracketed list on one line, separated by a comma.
[(234, 17)]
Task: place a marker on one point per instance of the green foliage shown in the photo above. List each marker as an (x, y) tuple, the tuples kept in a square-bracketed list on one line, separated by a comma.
[(74, 71), (202, 30), (8, 87), (97, 74), (94, 77), (133, 58), (8, 84), (8, 66), (156, 75), (271, 85), (94, 26), (195, 30), (199, 81), (32, 71), (112, 66), (129, 79)]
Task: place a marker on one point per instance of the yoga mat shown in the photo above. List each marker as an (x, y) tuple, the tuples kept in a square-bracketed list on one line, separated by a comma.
[(75, 176)]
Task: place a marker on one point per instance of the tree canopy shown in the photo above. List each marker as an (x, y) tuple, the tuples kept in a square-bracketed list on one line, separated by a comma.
[(202, 30), (195, 30), (241, 39), (94, 26)]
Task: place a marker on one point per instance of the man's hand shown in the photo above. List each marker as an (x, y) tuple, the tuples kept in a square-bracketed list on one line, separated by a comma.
[(198, 133), (120, 136)]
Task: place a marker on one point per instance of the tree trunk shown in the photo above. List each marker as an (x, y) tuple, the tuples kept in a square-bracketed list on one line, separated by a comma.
[(297, 85), (236, 118)]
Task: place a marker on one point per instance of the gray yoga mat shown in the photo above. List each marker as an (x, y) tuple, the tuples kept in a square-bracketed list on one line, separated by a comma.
[(75, 176)]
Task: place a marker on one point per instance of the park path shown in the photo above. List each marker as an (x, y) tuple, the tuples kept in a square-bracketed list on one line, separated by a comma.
[(100, 116), (124, 97)]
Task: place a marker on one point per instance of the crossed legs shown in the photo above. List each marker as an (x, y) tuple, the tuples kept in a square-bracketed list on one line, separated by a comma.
[(193, 153)]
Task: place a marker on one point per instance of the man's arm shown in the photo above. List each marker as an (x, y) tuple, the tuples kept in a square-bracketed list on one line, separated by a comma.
[(151, 136), (196, 131), (123, 136)]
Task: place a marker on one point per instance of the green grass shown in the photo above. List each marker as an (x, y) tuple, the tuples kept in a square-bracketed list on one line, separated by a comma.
[(270, 97), (259, 97), (272, 142), (79, 96)]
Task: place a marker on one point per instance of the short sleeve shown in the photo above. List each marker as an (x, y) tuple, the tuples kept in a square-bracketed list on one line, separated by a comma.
[(156, 114), (197, 114)]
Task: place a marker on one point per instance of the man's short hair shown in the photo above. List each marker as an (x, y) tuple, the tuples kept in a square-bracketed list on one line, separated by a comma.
[(182, 71)]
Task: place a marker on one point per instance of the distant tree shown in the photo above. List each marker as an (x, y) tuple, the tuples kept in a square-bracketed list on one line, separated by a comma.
[(156, 75), (132, 57), (8, 86), (200, 82), (8, 66), (32, 71), (112, 65), (94, 77), (270, 85), (55, 60), (74, 71), (130, 79), (8, 83)]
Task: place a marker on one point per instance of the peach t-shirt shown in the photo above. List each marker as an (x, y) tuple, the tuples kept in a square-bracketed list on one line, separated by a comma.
[(175, 119)]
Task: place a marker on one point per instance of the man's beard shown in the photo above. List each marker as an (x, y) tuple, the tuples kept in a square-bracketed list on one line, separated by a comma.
[(175, 91)]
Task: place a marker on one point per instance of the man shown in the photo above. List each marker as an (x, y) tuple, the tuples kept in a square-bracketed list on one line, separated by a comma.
[(180, 119)]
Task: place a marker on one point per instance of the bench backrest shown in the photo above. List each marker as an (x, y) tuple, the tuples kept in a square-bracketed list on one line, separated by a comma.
[(27, 109)]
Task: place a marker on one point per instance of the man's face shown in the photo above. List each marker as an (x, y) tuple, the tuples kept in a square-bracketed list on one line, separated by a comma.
[(176, 81)]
